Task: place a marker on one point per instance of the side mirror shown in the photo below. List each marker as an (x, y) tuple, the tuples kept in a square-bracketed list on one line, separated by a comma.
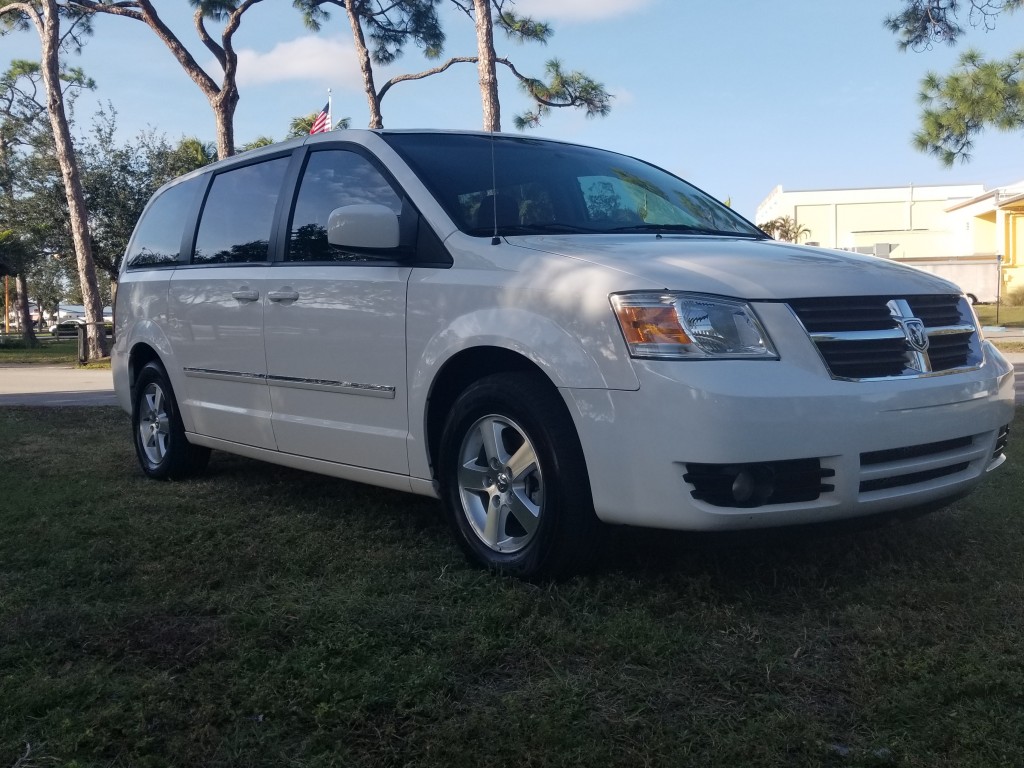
[(366, 225)]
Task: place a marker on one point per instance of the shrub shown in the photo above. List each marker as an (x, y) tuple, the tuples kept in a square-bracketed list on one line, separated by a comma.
[(10, 341), (1014, 298)]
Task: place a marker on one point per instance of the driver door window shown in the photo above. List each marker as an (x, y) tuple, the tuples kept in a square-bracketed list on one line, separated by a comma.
[(331, 180)]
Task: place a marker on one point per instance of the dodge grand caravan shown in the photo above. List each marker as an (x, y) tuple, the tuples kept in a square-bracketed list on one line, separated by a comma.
[(545, 336)]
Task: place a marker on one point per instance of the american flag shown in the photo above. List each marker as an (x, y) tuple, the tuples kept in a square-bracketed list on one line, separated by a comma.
[(322, 123)]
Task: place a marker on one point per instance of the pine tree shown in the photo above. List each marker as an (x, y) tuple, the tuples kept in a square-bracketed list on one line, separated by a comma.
[(978, 93)]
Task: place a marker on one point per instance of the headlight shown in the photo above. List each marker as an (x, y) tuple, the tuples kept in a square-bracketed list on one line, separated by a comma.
[(690, 326)]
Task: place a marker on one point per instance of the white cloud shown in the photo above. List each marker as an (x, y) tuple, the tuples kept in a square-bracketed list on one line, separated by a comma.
[(579, 10), (321, 59)]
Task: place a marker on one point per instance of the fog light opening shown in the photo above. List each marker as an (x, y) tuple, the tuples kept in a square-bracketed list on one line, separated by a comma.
[(745, 486), (753, 485)]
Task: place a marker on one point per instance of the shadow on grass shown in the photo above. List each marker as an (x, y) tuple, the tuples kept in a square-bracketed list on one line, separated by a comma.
[(765, 561)]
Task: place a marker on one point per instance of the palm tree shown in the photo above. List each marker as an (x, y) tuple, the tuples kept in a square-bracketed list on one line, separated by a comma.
[(785, 228), (769, 227), (300, 126)]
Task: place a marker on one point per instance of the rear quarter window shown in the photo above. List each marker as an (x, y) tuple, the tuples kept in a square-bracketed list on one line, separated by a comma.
[(158, 235)]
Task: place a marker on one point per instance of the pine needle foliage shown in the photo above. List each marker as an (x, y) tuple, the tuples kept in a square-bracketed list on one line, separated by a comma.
[(957, 107), (978, 94)]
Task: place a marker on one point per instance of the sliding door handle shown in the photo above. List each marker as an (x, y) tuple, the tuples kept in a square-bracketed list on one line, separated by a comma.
[(285, 294)]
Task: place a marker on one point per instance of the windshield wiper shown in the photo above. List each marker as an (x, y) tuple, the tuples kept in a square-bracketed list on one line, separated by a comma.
[(546, 228), (687, 229)]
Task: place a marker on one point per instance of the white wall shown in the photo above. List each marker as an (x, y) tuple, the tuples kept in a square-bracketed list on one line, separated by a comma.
[(915, 219)]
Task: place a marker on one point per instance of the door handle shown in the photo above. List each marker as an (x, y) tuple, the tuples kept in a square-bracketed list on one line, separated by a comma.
[(286, 294), (245, 295)]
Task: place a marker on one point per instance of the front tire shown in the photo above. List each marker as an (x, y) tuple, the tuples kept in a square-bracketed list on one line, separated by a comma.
[(163, 451), (514, 481)]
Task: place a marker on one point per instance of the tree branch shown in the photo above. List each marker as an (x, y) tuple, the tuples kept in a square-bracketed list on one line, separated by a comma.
[(204, 36), (199, 76), (236, 18), (529, 82), (143, 10), (29, 10), (466, 9), (126, 9), (426, 73), (230, 63)]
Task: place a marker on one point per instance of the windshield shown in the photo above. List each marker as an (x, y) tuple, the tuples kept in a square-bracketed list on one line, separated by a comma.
[(543, 187)]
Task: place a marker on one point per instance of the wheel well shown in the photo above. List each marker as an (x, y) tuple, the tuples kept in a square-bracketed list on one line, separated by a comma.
[(140, 356), (458, 373)]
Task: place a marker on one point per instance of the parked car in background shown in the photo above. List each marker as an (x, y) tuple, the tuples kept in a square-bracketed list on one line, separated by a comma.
[(67, 327), (543, 336), (77, 312)]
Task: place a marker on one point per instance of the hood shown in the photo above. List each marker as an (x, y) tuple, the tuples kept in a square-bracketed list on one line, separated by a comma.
[(748, 269)]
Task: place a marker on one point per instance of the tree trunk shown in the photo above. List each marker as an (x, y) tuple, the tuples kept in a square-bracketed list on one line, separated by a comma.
[(366, 67), (24, 315), (223, 105), (486, 65), (96, 346)]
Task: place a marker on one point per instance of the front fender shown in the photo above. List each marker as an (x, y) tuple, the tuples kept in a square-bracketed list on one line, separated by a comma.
[(563, 357)]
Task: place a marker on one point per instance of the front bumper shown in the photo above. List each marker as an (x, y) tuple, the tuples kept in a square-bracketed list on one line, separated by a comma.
[(640, 445)]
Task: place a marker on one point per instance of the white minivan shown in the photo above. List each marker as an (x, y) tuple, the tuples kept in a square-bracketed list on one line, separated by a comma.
[(545, 336)]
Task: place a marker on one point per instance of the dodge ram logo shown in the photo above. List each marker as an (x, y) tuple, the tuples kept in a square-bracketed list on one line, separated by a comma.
[(914, 330), (915, 333)]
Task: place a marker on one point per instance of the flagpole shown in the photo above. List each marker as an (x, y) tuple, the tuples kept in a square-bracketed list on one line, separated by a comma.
[(330, 117)]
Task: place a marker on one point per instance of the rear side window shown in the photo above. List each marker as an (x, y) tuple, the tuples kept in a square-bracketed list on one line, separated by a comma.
[(332, 179), (157, 239), (239, 214)]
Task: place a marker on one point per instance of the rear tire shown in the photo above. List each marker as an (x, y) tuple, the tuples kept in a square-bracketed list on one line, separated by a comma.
[(514, 481), (163, 451)]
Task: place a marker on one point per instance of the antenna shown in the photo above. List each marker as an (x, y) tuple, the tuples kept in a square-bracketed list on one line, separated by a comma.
[(495, 240)]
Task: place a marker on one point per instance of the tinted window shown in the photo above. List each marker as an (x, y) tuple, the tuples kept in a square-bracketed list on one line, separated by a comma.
[(157, 238), (523, 185), (239, 214), (332, 179)]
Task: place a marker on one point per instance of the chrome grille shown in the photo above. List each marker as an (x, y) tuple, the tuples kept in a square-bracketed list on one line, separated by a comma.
[(873, 337)]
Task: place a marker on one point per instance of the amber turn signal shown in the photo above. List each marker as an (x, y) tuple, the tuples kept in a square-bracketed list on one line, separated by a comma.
[(651, 325)]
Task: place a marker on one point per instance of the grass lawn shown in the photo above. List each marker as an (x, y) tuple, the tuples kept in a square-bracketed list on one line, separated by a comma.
[(1011, 317), (266, 617), (49, 352)]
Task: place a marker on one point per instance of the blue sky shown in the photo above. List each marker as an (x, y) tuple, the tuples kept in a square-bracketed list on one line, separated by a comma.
[(736, 97)]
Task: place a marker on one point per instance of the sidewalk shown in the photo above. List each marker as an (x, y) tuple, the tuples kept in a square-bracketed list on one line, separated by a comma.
[(54, 385), (1001, 332), (996, 334)]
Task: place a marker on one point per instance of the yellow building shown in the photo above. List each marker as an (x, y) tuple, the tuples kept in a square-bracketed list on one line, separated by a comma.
[(995, 223), (963, 232)]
